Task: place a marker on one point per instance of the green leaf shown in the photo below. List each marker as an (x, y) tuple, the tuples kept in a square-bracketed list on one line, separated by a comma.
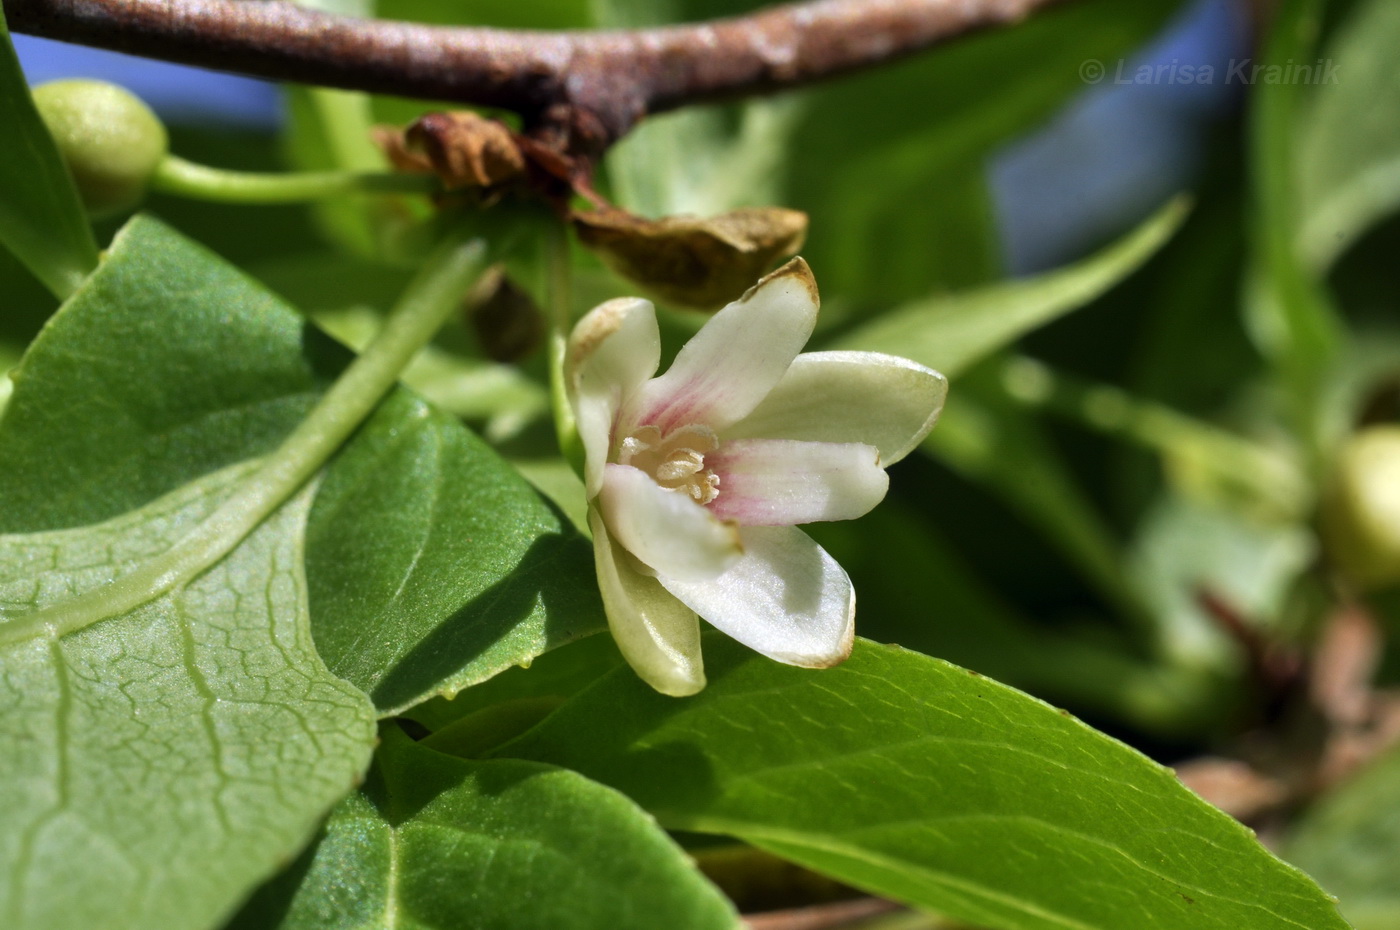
[(951, 332), (432, 564), (1188, 297), (157, 763), (41, 219), (915, 779), (168, 364), (1350, 843), (437, 843), (1349, 136), (552, 677), (9, 358)]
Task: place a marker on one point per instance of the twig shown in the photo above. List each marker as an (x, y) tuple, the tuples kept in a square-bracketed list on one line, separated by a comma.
[(589, 88), (822, 916), (1272, 665)]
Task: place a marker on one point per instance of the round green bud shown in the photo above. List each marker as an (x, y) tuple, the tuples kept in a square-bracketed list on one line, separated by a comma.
[(110, 140), (1361, 515)]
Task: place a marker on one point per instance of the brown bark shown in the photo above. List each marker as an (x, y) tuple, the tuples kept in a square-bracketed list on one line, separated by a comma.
[(591, 87)]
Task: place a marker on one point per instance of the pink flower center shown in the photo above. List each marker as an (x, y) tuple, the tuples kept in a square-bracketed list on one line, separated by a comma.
[(675, 461)]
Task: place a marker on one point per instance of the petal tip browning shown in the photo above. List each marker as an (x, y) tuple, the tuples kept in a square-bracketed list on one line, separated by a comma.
[(796, 270), (597, 326)]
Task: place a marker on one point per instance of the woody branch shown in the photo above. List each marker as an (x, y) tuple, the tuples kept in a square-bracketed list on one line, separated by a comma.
[(581, 91)]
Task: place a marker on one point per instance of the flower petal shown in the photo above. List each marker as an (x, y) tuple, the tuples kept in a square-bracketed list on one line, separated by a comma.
[(666, 530), (885, 401), (735, 359), (657, 634), (612, 351), (786, 598), (779, 482)]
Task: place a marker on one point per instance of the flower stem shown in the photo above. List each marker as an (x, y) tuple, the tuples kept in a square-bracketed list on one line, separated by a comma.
[(559, 291), (431, 298), (201, 182)]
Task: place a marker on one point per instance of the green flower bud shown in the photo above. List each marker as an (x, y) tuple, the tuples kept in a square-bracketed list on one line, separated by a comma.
[(110, 140), (1361, 517)]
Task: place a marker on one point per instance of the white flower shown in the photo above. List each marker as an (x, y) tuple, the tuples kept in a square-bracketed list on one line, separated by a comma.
[(696, 479)]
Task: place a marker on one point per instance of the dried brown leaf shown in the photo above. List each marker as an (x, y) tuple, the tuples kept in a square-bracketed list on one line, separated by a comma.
[(697, 262), (462, 148)]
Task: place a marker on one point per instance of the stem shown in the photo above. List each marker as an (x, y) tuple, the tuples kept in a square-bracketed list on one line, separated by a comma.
[(559, 294), (1115, 412), (186, 179), (432, 297)]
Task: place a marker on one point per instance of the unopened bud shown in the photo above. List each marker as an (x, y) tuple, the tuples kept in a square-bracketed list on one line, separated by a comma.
[(1361, 516), (110, 140)]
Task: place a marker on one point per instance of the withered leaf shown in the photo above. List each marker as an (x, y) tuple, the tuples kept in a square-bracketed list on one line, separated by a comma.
[(697, 262), (462, 148)]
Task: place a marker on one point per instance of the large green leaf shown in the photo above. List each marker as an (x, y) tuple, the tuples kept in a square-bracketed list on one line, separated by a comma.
[(167, 365), (919, 780), (1348, 153), (432, 563), (158, 762), (951, 332), (434, 566), (1350, 843), (41, 220), (433, 842)]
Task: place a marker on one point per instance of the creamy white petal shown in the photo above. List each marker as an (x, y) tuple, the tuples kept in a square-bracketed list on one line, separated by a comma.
[(735, 359), (612, 351), (885, 401), (657, 634), (786, 598), (780, 482), (666, 530)]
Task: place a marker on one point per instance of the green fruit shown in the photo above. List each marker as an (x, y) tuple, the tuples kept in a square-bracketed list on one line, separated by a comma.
[(1361, 516), (110, 140)]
